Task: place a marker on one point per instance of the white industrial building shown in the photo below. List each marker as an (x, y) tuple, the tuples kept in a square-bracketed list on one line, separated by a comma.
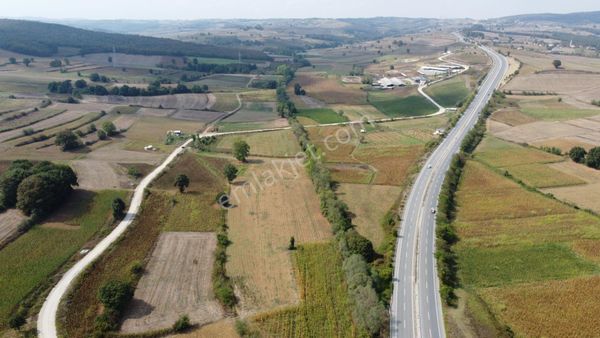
[(389, 82)]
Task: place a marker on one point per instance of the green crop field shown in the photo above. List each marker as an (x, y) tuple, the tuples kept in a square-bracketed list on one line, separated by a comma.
[(449, 93), (322, 115), (554, 114), (281, 143), (26, 263), (325, 310), (396, 106)]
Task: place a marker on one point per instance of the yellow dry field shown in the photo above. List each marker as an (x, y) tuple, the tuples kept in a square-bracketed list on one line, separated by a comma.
[(177, 281), (223, 329), (153, 131), (512, 117), (584, 87), (368, 204), (271, 205), (567, 308), (336, 142), (586, 195), (543, 62), (499, 153), (392, 165)]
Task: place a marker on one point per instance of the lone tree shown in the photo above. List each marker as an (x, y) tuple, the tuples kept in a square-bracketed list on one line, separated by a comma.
[(230, 172), (12, 60), (557, 63), (593, 158), (109, 128), (577, 154), (67, 140), (26, 62), (118, 208), (241, 149), (182, 182), (292, 245)]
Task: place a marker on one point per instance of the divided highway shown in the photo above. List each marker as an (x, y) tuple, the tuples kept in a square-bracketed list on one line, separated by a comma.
[(416, 307)]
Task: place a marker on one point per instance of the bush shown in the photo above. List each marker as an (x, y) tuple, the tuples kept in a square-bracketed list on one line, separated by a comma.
[(67, 140), (115, 294), (593, 158), (182, 324), (109, 128), (17, 320), (357, 244), (578, 154)]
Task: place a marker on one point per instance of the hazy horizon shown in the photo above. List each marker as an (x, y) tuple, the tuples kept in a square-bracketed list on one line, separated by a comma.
[(264, 9)]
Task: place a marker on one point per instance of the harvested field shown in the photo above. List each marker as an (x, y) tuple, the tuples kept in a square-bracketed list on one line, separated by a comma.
[(549, 309), (254, 112), (392, 164), (543, 176), (197, 115), (177, 282), (330, 89), (336, 142), (512, 117), (226, 102), (368, 204), (260, 227), (114, 153), (584, 87), (543, 62), (358, 112), (99, 175), (177, 101), (9, 224), (281, 143), (156, 112), (60, 119), (245, 126), (224, 82), (153, 131), (325, 310)]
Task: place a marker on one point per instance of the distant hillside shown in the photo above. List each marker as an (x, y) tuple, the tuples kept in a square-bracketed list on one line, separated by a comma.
[(44, 39), (580, 18)]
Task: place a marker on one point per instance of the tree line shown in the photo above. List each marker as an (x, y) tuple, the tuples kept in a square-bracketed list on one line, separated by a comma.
[(369, 312), (81, 87)]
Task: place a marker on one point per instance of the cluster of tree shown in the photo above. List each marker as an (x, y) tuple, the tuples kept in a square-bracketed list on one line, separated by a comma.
[(190, 77), (113, 295), (285, 107), (81, 87), (69, 140), (35, 189), (56, 63), (210, 68), (552, 150), (26, 61), (591, 158), (203, 143), (298, 90), (44, 39), (357, 251), (95, 77), (264, 84)]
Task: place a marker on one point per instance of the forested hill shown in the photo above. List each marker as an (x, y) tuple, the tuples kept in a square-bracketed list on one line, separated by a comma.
[(580, 18), (44, 39)]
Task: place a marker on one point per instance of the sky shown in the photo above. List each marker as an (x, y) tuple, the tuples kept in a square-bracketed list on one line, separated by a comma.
[(194, 9)]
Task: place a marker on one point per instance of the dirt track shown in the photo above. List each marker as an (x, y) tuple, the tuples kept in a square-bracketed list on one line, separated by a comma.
[(177, 281)]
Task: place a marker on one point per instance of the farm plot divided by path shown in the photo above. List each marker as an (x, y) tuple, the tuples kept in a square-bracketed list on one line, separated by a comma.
[(178, 280), (260, 227)]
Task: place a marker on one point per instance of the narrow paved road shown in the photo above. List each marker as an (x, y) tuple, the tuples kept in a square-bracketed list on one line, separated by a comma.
[(416, 308)]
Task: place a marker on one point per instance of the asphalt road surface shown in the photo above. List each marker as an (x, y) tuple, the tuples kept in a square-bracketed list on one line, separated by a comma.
[(416, 307)]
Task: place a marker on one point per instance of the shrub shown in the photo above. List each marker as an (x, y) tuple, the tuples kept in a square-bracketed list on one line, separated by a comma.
[(357, 244), (182, 324), (115, 294), (593, 158), (67, 140), (578, 154)]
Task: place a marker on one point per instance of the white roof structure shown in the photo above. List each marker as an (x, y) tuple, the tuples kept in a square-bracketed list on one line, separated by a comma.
[(388, 82)]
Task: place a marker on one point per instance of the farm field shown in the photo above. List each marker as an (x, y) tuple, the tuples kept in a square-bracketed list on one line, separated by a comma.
[(320, 116), (9, 224), (368, 204), (226, 102), (153, 131), (177, 281), (195, 210), (26, 263), (450, 93), (248, 126), (394, 105), (77, 318), (281, 143), (254, 112), (514, 241), (177, 101), (225, 82), (358, 112), (329, 89), (325, 310), (260, 227)]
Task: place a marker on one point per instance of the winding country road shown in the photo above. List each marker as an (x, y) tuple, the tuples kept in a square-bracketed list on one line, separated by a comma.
[(416, 308)]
